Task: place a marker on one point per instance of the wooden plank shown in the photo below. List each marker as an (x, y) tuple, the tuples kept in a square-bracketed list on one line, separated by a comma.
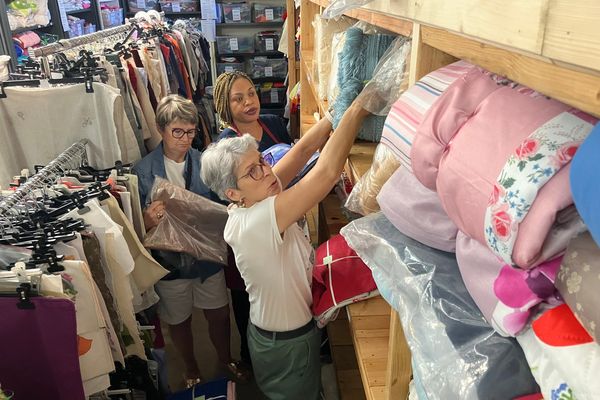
[(515, 23), (572, 87), (424, 58), (308, 65), (344, 357), (399, 366), (572, 32), (334, 218), (312, 219), (360, 159), (379, 393), (373, 306)]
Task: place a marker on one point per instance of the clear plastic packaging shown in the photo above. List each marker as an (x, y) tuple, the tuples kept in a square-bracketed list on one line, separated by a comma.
[(456, 354), (235, 44), (363, 198), (237, 13), (12, 254), (230, 67), (192, 224), (268, 13), (266, 41), (260, 67), (338, 7)]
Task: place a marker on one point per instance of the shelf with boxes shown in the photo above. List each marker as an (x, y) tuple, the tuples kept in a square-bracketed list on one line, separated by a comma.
[(241, 45)]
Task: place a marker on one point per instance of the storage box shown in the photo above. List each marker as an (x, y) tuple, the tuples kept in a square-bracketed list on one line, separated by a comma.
[(237, 13), (260, 67), (235, 44), (268, 13), (111, 18), (141, 5), (229, 67), (183, 6), (266, 41), (272, 96)]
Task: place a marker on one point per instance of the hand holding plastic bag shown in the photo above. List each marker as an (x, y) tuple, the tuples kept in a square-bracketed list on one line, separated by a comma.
[(191, 224), (390, 79)]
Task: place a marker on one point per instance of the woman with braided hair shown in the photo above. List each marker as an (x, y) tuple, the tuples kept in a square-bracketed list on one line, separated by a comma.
[(238, 107)]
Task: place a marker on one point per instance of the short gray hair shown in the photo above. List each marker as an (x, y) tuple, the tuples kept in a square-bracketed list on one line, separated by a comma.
[(220, 161), (175, 108)]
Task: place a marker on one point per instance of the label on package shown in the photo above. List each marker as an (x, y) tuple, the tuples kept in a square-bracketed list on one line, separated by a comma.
[(269, 44), (274, 96), (228, 68), (268, 72), (176, 7), (236, 15), (269, 14), (233, 44)]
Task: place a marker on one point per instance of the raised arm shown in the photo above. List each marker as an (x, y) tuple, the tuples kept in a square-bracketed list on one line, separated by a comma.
[(293, 203), (291, 164)]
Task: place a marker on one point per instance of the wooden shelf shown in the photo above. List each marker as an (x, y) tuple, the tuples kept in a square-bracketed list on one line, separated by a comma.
[(360, 160), (370, 330)]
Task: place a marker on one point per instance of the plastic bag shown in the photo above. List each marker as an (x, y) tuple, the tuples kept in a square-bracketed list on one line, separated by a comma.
[(192, 224), (363, 198), (338, 7), (456, 354), (390, 79)]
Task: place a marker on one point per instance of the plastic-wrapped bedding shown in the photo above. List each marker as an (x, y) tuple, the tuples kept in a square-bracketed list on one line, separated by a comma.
[(457, 355)]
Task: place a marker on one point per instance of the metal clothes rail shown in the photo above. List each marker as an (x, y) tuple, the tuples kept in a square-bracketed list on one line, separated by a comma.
[(37, 181)]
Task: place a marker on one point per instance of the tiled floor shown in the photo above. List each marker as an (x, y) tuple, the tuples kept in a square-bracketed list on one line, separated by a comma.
[(207, 360)]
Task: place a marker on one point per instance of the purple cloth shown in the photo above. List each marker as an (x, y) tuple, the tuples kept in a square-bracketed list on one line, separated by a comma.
[(38, 350)]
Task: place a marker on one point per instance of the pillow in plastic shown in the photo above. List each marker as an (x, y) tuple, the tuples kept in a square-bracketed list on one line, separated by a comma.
[(506, 296), (457, 355), (340, 278), (416, 211)]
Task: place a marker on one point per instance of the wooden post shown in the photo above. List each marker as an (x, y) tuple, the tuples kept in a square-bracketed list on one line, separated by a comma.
[(399, 367)]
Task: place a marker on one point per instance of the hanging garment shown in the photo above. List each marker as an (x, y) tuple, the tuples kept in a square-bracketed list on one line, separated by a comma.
[(456, 353), (476, 147), (339, 278), (27, 113), (39, 349), (138, 217), (95, 357)]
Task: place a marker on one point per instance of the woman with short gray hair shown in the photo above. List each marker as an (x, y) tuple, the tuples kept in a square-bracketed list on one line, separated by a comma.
[(271, 251), (190, 283)]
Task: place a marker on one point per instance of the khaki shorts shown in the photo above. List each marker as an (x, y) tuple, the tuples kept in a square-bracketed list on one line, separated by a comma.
[(179, 296)]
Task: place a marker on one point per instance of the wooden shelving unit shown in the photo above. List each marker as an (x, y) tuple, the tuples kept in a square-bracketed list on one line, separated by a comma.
[(550, 46)]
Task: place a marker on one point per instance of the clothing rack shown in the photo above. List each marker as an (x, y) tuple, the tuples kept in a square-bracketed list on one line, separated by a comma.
[(67, 44), (75, 151)]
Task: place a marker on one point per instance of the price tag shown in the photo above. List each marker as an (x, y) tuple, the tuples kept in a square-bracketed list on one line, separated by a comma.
[(141, 4), (233, 44), (268, 72), (269, 44), (176, 7), (274, 96), (228, 68), (269, 14), (236, 14)]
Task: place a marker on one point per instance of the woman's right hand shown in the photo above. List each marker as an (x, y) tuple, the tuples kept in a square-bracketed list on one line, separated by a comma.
[(153, 214)]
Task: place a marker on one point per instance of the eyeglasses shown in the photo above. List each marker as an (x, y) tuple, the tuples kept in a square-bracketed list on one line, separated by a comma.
[(257, 172), (178, 133)]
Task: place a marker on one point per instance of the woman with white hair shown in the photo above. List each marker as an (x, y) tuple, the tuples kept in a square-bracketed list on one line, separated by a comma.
[(272, 253)]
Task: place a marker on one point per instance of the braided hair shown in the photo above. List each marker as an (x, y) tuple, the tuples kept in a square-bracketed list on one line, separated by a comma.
[(221, 93)]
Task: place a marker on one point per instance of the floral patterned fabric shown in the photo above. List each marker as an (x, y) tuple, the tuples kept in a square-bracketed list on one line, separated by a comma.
[(578, 281), (534, 162), (463, 144), (506, 296)]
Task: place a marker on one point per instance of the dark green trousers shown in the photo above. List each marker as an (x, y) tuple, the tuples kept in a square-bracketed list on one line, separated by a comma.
[(287, 369)]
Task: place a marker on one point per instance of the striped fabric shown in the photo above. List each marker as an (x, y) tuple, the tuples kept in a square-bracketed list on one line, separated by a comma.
[(408, 112)]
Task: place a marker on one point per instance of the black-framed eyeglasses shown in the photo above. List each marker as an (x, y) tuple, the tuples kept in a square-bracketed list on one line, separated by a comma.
[(257, 172), (178, 133)]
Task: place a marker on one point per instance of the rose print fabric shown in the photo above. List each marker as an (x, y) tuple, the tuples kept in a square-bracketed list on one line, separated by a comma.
[(578, 281), (535, 161), (506, 296), (464, 142)]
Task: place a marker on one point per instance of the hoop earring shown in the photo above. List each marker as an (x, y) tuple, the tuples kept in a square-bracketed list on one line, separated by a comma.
[(242, 203)]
